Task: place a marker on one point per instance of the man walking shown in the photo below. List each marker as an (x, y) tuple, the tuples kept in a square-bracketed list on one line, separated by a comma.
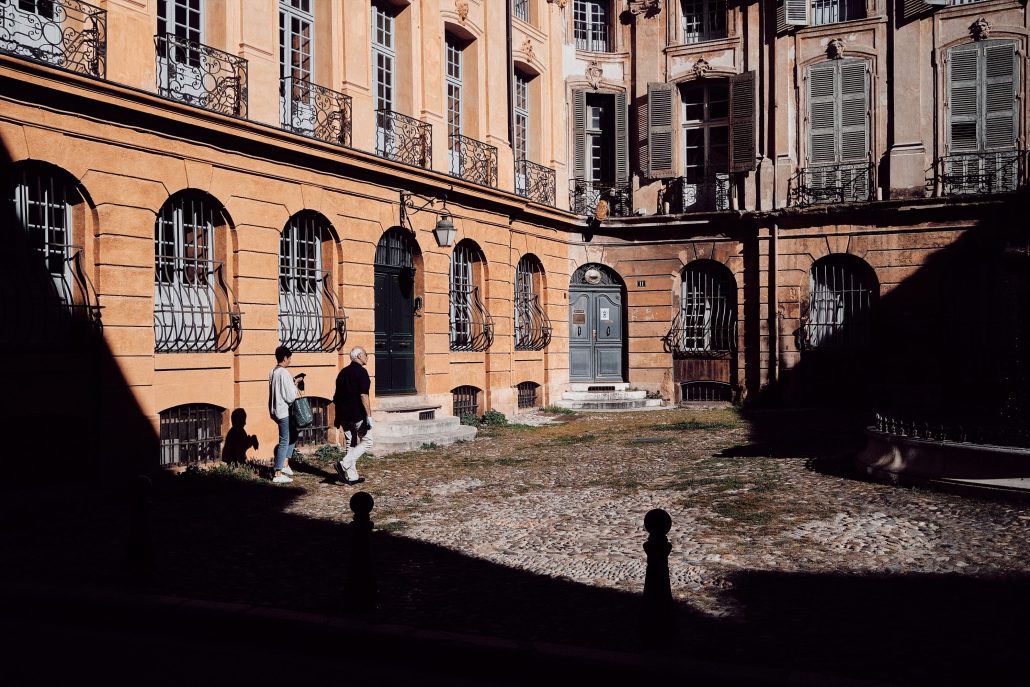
[(282, 391), (353, 414)]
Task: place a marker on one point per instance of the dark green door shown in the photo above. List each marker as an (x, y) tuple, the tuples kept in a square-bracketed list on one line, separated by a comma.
[(395, 315)]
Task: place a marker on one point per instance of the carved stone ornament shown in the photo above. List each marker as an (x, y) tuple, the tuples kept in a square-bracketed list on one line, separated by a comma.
[(648, 8), (463, 11), (594, 74), (701, 68), (527, 47), (835, 49), (593, 275), (980, 29), (560, 3)]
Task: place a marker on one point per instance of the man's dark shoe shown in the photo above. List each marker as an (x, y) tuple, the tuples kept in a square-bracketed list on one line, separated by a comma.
[(340, 471), (354, 481)]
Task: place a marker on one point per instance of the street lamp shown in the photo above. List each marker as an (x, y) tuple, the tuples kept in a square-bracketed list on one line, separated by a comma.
[(444, 230)]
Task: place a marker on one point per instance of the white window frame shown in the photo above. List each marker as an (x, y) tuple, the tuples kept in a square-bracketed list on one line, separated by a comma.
[(296, 63), (591, 22), (702, 20), (384, 64), (301, 282), (453, 76), (44, 199)]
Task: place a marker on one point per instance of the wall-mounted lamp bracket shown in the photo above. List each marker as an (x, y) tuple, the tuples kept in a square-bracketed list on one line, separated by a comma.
[(444, 230)]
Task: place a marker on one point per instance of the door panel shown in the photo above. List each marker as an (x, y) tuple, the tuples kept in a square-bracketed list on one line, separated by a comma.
[(394, 330), (595, 336)]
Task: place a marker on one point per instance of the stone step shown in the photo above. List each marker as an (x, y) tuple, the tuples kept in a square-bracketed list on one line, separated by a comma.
[(399, 428), (390, 408), (609, 406), (604, 395), (600, 386), (385, 445)]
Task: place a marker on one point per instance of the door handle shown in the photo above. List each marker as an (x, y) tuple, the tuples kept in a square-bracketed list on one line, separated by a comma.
[(595, 335)]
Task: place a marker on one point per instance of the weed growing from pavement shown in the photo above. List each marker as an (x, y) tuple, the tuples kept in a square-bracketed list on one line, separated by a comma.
[(572, 440), (557, 410), (392, 526), (692, 425)]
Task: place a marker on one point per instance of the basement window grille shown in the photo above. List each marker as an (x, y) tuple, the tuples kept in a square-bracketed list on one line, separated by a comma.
[(190, 434), (317, 433), (527, 394), (465, 401), (706, 391)]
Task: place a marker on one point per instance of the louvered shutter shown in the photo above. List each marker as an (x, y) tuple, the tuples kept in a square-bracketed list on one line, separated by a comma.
[(854, 111), (621, 141), (822, 120), (742, 122), (999, 106), (660, 130), (939, 3), (579, 133), (963, 110), (797, 12)]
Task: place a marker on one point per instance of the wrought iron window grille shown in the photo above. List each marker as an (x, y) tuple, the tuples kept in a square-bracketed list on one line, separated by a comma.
[(317, 433), (315, 111), (194, 308), (532, 326), (711, 193), (310, 317), (472, 327), (981, 173), (706, 391), (838, 314), (196, 74), (404, 139), (535, 182), (465, 401), (474, 160), (190, 434), (835, 183), (69, 34), (527, 394), (694, 336), (585, 196)]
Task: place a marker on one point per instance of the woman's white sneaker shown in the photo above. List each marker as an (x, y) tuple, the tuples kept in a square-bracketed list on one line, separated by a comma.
[(281, 479)]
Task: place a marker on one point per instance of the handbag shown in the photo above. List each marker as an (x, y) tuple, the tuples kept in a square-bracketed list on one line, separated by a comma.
[(300, 411)]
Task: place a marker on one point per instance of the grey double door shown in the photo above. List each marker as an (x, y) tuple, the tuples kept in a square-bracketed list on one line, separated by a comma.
[(595, 334)]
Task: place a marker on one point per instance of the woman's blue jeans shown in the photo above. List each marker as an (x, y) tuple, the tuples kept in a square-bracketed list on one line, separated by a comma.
[(287, 441)]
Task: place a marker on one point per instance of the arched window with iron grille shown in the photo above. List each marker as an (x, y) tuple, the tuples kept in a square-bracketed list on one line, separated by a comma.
[(532, 326), (190, 434), (194, 309), (310, 317), (465, 401), (471, 326), (842, 292), (529, 394), (706, 324)]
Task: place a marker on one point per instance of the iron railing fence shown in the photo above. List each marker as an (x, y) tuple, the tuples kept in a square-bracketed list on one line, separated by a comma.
[(315, 111), (966, 433), (701, 336), (197, 74), (194, 308), (190, 434), (532, 326), (310, 316), (981, 173), (527, 394), (586, 196), (51, 302), (709, 194), (70, 34), (473, 160), (837, 183), (535, 182), (404, 139), (472, 326)]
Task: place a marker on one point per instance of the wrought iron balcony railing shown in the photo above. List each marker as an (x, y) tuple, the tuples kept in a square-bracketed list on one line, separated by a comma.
[(532, 326), (70, 34), (197, 74), (586, 197), (694, 337), (401, 138), (473, 160), (194, 309), (472, 327), (708, 194), (50, 303), (981, 173), (837, 183), (971, 432), (535, 182), (315, 111), (310, 317)]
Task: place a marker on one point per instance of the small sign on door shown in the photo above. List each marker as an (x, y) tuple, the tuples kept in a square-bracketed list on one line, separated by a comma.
[(606, 315), (579, 317)]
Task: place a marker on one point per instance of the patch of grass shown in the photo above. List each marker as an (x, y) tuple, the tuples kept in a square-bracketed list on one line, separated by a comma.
[(494, 418), (244, 471), (557, 410), (743, 512), (573, 439), (719, 483), (650, 440), (393, 526), (508, 462), (429, 446), (693, 425)]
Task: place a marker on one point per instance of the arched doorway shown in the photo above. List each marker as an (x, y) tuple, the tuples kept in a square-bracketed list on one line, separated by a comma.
[(596, 329), (395, 313)]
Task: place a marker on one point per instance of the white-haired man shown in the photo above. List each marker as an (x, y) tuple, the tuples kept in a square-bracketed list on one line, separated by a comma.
[(353, 414)]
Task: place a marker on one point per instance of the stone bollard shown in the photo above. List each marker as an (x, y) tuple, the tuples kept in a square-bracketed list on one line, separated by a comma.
[(138, 553), (657, 621), (360, 588)]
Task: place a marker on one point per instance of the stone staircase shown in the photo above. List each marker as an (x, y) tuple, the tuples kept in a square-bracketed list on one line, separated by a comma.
[(406, 423), (610, 397)]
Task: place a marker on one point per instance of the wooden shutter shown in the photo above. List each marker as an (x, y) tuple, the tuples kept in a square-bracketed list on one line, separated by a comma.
[(999, 106), (940, 3), (742, 122), (854, 111), (660, 98), (822, 119), (797, 12), (621, 140), (963, 115), (579, 134)]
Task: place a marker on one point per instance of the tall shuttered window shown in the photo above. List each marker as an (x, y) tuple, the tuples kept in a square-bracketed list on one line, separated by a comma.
[(600, 152), (384, 59), (452, 86), (521, 118), (838, 131)]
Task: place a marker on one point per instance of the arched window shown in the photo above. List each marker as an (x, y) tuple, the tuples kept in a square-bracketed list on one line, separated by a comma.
[(842, 292), (465, 401), (310, 318), (528, 394), (472, 328), (190, 434), (532, 327), (194, 309), (707, 321)]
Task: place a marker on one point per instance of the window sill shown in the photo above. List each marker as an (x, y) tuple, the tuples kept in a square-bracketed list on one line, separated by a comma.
[(680, 49), (589, 56), (976, 8), (831, 29)]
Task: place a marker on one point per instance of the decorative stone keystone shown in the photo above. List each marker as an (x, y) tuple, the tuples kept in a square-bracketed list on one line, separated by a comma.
[(980, 29), (594, 74), (701, 68), (657, 622), (360, 587), (648, 8), (835, 49)]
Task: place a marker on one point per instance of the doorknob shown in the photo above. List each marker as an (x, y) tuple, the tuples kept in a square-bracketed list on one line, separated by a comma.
[(595, 335)]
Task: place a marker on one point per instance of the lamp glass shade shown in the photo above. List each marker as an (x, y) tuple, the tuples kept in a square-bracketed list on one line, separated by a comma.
[(444, 231)]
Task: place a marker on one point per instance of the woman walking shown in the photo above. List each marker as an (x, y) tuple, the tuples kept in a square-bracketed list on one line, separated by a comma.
[(282, 391)]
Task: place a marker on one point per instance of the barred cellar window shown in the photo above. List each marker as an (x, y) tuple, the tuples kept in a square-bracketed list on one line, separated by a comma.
[(471, 326), (591, 25), (842, 292), (309, 316), (528, 394), (703, 20), (532, 326), (317, 433), (190, 434), (465, 401)]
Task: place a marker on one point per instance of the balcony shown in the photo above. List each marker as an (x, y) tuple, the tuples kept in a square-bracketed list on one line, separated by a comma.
[(314, 111), (473, 160), (199, 75), (194, 309), (600, 200), (532, 326), (310, 317), (535, 182), (694, 337), (472, 326), (403, 139), (837, 183), (985, 173), (69, 34), (710, 193)]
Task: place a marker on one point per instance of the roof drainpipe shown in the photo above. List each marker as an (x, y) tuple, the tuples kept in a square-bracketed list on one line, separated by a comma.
[(511, 76), (775, 335)]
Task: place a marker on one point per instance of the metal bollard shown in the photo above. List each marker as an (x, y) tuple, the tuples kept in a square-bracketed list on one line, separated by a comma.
[(138, 553), (360, 586), (657, 621)]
